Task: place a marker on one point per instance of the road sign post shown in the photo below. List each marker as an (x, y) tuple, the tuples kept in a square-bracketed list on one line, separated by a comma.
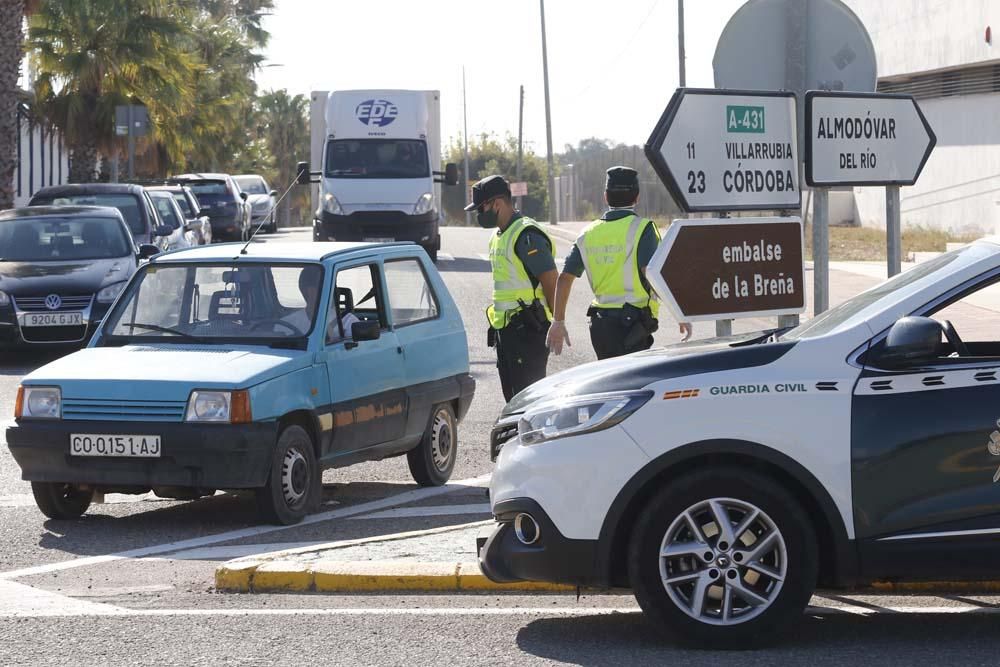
[(720, 269)]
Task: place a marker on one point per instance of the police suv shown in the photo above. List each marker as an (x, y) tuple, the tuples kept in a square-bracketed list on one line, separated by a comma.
[(724, 480)]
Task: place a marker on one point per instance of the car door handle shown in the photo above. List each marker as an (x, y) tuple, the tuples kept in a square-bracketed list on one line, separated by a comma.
[(399, 349)]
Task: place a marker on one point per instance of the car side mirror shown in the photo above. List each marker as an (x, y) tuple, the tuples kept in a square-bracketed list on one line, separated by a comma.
[(147, 250), (911, 340), (163, 230), (273, 193), (244, 196), (365, 330), (302, 169), (451, 174)]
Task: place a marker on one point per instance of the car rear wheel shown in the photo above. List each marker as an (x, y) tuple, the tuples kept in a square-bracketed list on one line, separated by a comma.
[(61, 501), (723, 559), (433, 460), (293, 484)]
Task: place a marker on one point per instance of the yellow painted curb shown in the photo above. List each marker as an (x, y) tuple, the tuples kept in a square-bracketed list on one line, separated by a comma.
[(352, 577), (282, 576), (471, 578), (235, 576)]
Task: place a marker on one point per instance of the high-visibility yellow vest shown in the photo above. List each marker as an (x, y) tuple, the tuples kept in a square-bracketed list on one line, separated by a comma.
[(609, 249), (510, 278)]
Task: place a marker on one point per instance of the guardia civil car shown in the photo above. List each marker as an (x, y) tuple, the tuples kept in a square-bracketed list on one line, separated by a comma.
[(724, 480), (232, 367)]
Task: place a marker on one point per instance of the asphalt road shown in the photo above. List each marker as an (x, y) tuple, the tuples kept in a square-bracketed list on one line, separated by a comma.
[(131, 582)]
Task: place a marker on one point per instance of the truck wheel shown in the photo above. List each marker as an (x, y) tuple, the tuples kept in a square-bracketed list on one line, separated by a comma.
[(723, 559), (432, 461), (61, 501), (293, 484)]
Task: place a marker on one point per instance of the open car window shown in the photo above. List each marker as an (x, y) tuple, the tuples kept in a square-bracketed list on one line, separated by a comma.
[(357, 295)]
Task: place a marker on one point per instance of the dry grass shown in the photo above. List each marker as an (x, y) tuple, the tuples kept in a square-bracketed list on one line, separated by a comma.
[(867, 244)]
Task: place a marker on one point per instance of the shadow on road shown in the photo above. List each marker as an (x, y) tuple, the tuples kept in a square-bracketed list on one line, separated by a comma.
[(465, 265), (834, 640)]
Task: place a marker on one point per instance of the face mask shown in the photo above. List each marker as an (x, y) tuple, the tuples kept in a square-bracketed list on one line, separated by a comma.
[(487, 219)]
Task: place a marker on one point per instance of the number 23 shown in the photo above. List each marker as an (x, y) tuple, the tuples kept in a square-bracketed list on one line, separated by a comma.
[(696, 181)]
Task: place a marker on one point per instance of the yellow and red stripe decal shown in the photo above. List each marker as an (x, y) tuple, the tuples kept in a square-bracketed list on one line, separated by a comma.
[(681, 393)]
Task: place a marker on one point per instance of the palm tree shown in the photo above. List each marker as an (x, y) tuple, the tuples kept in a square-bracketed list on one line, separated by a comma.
[(97, 54), (11, 51), (287, 135)]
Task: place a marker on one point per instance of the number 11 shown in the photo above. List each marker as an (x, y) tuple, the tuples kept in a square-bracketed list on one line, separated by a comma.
[(690, 147)]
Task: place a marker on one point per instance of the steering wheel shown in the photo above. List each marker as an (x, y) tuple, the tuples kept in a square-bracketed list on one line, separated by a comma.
[(953, 338), (294, 329)]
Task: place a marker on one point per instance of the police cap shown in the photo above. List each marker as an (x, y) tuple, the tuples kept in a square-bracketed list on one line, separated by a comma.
[(622, 179), (487, 189)]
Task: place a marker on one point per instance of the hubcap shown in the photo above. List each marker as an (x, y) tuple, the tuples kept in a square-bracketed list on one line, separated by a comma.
[(442, 441), (294, 477), (723, 561)]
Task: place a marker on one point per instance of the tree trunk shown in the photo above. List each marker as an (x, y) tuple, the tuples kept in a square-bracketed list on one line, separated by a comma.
[(11, 40), (83, 162)]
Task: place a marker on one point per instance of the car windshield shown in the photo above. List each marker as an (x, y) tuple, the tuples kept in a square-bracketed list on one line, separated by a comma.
[(165, 207), (376, 158), (251, 302), (252, 185), (58, 239), (126, 203), (209, 192)]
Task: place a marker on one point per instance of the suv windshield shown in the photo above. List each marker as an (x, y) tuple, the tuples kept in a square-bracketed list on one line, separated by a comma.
[(165, 207), (376, 158), (127, 204), (184, 204), (59, 239), (244, 303), (252, 185)]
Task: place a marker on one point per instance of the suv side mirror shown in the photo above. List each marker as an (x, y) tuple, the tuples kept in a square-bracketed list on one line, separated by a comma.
[(147, 250), (911, 340), (451, 174), (302, 169), (273, 193), (244, 196), (365, 330)]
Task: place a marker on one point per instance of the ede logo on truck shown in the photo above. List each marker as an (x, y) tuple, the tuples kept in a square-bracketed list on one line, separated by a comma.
[(377, 112)]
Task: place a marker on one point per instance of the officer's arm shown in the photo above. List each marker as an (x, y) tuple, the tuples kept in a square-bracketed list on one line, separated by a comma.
[(572, 269), (536, 253)]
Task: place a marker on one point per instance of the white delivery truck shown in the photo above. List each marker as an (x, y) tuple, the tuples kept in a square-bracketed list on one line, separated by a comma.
[(376, 160)]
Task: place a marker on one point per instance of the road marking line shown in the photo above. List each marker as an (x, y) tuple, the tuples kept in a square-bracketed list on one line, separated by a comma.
[(21, 600), (447, 256), (235, 551), (436, 510), (399, 499)]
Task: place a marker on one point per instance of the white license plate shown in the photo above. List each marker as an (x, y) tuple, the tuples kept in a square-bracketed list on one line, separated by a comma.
[(131, 446), (51, 319), (379, 239)]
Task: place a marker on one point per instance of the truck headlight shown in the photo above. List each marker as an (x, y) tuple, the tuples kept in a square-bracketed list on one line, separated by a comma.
[(425, 204), (38, 403), (231, 407), (110, 293), (331, 205), (578, 414)]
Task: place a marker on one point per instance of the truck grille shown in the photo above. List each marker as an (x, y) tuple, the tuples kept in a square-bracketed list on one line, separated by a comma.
[(101, 409), (37, 303)]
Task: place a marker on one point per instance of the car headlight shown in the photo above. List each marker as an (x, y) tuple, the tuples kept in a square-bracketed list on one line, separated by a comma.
[(331, 205), (424, 204), (38, 403), (261, 207), (231, 407), (110, 293), (574, 415), (4, 299)]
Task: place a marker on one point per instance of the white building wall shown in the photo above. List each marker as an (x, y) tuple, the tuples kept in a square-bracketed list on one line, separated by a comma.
[(43, 161)]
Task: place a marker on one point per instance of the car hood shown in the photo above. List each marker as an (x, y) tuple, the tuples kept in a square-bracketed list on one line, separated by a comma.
[(164, 371), (62, 277), (259, 199), (635, 371)]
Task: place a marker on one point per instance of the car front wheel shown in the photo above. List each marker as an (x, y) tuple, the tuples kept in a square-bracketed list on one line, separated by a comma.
[(723, 559), (433, 460), (293, 484), (61, 501)]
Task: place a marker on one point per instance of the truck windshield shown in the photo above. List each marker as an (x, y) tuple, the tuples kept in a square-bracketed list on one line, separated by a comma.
[(376, 158), (253, 302)]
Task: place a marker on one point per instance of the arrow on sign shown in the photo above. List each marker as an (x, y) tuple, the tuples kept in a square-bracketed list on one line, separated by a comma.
[(865, 139), (732, 267), (728, 150)]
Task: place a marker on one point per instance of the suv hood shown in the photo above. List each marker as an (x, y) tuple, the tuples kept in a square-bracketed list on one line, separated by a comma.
[(165, 371), (635, 371)]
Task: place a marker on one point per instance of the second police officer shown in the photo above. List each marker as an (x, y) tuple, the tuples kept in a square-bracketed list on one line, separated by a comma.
[(524, 285), (614, 251)]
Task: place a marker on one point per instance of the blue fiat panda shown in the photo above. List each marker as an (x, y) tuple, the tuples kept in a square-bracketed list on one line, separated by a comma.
[(222, 367)]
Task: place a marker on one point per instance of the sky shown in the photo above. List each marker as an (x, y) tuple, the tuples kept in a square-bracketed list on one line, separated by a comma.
[(612, 65)]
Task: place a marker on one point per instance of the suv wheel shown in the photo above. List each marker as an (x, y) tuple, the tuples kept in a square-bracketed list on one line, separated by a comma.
[(293, 484), (433, 460), (61, 501), (723, 559)]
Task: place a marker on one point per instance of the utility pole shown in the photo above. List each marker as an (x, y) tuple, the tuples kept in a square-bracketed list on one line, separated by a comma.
[(548, 121), (520, 141), (680, 42), (465, 141)]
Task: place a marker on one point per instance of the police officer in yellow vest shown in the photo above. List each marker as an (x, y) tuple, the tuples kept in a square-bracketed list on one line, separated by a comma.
[(614, 251), (524, 285)]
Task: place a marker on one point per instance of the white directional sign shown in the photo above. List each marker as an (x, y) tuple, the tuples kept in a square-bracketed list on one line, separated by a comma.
[(726, 150), (865, 139)]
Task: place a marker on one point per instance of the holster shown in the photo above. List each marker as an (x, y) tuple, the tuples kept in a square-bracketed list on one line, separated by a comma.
[(638, 324), (531, 316)]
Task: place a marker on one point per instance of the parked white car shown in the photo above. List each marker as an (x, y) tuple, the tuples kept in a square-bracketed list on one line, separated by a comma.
[(262, 200), (170, 215)]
